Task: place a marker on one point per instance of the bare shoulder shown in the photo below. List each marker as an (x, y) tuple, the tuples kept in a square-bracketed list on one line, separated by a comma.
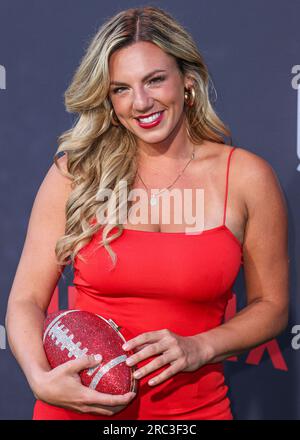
[(267, 213), (61, 171), (54, 190), (252, 178), (260, 209), (250, 163), (255, 177), (244, 160), (246, 163), (265, 248), (38, 270)]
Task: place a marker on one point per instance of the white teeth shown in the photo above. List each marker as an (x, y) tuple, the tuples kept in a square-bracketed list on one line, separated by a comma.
[(151, 118)]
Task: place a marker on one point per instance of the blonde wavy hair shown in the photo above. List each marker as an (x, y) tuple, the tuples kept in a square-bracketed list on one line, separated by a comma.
[(100, 154)]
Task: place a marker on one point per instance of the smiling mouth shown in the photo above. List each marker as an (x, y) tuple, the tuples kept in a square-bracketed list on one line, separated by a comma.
[(151, 118)]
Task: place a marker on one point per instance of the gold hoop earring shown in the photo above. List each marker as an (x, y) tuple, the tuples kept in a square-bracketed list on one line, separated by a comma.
[(112, 118), (187, 93)]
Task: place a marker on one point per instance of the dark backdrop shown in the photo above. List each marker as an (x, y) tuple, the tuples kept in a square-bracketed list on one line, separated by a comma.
[(252, 50)]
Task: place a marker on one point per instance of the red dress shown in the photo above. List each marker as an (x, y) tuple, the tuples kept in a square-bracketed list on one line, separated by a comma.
[(177, 281)]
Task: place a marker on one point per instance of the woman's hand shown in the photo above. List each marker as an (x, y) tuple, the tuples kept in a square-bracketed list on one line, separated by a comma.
[(62, 387), (183, 353)]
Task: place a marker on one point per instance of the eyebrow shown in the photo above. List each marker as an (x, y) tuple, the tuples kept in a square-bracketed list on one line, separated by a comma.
[(117, 83)]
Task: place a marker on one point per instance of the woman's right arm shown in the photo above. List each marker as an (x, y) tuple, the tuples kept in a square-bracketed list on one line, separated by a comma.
[(37, 274), (35, 280)]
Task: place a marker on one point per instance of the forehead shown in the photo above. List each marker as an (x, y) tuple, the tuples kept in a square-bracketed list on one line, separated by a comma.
[(137, 59)]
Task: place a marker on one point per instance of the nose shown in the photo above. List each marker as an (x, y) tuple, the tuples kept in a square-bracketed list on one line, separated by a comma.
[(142, 101)]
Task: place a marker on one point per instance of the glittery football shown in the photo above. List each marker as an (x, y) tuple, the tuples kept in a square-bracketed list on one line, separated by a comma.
[(71, 334)]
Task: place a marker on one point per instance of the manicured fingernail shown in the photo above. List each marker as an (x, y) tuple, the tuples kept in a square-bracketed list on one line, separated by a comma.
[(125, 346), (98, 357)]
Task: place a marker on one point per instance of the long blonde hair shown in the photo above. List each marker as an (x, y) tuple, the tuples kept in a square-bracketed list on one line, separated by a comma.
[(100, 154)]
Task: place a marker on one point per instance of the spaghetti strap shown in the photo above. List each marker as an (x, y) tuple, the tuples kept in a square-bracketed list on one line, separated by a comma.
[(226, 188)]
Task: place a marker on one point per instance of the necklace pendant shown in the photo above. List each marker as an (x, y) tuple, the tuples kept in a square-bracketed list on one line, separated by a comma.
[(153, 201)]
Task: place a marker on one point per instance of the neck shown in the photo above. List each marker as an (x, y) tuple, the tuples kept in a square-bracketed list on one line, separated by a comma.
[(176, 148), (156, 155)]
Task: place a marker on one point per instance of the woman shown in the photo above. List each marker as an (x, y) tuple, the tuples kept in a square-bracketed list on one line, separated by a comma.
[(145, 118)]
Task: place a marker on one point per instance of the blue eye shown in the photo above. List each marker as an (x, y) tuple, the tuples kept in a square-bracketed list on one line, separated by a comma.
[(156, 79)]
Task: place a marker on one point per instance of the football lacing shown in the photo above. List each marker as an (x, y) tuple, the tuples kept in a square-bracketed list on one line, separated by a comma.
[(64, 340)]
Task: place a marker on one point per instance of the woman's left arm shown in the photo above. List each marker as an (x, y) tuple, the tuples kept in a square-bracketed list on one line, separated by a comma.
[(266, 266)]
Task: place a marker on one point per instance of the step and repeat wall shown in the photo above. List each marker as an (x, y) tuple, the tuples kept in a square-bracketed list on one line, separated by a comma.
[(252, 50)]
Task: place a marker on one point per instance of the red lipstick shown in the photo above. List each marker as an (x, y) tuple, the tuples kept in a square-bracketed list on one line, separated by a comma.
[(153, 123)]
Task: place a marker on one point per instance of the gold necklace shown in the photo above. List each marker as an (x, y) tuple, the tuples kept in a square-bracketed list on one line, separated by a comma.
[(153, 200)]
